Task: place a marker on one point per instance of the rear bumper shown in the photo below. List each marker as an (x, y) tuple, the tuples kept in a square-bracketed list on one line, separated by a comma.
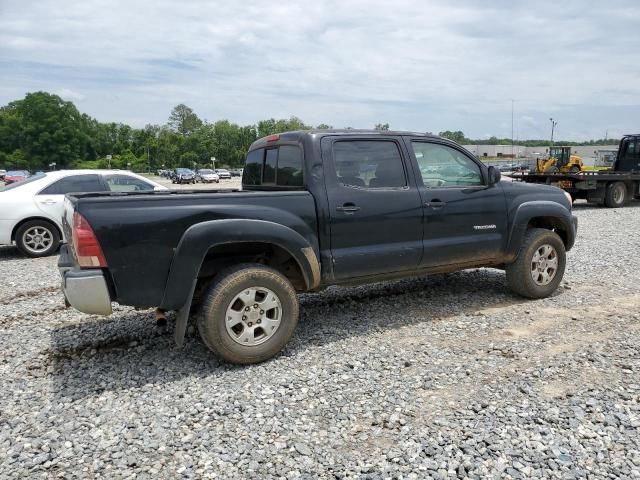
[(84, 290)]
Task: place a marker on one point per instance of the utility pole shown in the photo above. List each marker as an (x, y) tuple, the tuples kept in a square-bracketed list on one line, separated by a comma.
[(512, 128), (553, 127)]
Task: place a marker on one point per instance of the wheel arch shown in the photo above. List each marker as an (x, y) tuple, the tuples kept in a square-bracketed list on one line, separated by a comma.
[(208, 247), (29, 219), (540, 214)]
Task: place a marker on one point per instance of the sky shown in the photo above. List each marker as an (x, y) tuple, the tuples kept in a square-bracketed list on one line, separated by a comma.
[(427, 65)]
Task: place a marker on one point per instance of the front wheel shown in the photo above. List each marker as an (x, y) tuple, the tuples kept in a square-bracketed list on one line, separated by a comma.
[(249, 314), (37, 238), (540, 265), (574, 169)]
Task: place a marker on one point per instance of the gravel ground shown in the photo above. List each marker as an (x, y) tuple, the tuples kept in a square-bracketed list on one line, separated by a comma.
[(445, 376)]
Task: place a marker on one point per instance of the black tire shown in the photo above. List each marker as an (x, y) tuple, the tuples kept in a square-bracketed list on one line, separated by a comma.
[(520, 273), (228, 285), (553, 170), (574, 169), (42, 228), (616, 195)]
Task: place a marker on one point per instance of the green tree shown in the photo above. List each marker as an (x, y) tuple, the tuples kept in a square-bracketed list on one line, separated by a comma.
[(45, 129), (324, 126), (381, 126), (183, 120), (456, 136)]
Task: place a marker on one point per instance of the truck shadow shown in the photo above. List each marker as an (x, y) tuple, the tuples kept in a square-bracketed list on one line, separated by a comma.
[(10, 253), (130, 351)]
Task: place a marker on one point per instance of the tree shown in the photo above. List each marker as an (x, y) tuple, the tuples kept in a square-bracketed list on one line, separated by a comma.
[(324, 126), (382, 126), (183, 120), (44, 129), (456, 136)]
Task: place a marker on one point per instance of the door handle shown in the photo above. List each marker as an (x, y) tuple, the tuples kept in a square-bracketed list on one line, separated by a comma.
[(435, 203), (48, 201), (348, 208)]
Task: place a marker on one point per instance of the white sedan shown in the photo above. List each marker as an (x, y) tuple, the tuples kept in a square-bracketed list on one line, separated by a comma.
[(31, 210)]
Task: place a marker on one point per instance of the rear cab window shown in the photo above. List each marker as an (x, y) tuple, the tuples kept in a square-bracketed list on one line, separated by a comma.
[(279, 166)]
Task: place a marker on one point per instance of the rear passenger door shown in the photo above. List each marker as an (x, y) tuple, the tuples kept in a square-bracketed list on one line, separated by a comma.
[(374, 206)]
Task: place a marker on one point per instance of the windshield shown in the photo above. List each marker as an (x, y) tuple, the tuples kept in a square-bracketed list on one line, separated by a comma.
[(22, 183), (224, 170), (206, 172), (183, 170)]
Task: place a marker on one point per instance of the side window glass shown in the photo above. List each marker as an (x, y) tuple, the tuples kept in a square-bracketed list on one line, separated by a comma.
[(443, 166), (74, 184), (124, 183), (369, 164), (289, 166), (252, 173)]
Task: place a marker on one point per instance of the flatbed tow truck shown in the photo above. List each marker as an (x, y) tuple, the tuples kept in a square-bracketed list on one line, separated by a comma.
[(613, 188)]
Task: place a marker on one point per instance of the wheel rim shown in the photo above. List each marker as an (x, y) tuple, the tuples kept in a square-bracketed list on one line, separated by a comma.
[(544, 265), (253, 316), (37, 239), (618, 194)]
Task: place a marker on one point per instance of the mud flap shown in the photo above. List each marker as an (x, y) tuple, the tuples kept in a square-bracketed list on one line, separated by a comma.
[(182, 318)]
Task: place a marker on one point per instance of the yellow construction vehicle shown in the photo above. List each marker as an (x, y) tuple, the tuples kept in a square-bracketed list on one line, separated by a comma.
[(560, 160)]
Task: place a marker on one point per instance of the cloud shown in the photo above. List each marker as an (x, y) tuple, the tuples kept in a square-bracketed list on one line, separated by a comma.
[(425, 66)]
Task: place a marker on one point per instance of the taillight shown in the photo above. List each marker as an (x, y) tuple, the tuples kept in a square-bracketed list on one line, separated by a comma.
[(86, 244), (273, 138)]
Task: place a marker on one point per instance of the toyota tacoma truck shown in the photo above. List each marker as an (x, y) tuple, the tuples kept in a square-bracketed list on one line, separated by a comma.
[(317, 208)]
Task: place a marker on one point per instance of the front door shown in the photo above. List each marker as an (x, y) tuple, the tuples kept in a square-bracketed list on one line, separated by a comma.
[(374, 206), (465, 219)]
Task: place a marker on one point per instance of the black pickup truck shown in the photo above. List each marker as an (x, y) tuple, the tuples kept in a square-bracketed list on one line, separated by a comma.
[(317, 208)]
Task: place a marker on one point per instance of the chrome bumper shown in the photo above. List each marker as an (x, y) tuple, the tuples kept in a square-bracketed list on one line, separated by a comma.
[(84, 290)]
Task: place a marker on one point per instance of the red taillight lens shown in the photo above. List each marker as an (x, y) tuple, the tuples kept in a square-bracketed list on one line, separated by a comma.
[(86, 244), (273, 138)]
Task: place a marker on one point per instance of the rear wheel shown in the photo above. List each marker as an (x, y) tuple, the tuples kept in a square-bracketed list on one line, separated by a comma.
[(249, 314), (553, 170), (37, 238), (539, 268), (616, 195), (574, 169)]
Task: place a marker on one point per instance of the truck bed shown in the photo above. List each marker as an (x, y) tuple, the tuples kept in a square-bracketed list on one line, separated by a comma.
[(143, 229)]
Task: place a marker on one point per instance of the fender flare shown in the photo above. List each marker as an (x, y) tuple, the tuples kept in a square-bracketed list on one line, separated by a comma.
[(201, 237), (527, 211)]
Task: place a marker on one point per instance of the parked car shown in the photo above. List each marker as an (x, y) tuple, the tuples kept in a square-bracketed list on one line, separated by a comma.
[(316, 209), (223, 173), (183, 175), (236, 173), (2, 174), (31, 210), (206, 175), (13, 176)]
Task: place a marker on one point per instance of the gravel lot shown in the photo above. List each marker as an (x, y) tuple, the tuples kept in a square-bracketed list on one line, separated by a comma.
[(445, 376)]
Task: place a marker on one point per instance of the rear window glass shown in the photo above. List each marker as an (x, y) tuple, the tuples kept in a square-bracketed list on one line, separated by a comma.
[(252, 174), (280, 166), (289, 166), (270, 163)]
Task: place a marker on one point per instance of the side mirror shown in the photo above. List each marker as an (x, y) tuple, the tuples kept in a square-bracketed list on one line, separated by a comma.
[(494, 175)]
